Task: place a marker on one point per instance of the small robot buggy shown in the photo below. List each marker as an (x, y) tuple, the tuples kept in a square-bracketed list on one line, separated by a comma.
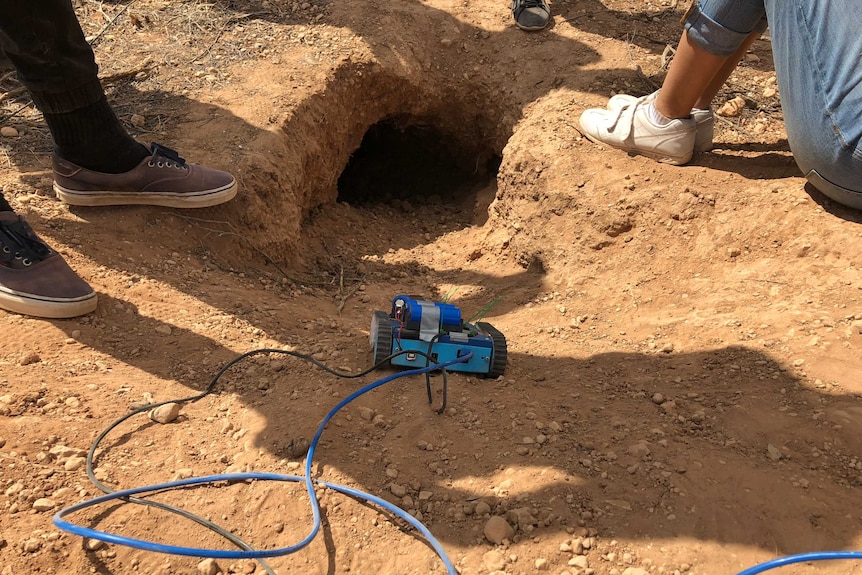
[(438, 330)]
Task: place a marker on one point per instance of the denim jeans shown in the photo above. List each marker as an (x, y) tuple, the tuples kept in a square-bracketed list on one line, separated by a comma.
[(817, 48), (44, 41)]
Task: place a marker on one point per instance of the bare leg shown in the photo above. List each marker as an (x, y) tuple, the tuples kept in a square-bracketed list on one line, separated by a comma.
[(708, 95), (692, 71)]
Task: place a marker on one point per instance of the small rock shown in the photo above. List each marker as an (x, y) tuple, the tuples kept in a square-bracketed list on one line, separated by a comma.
[(732, 108), (521, 517), (163, 329), (93, 544), (297, 447), (773, 452), (366, 413), (482, 509), (498, 530), (8, 132), (138, 120), (165, 413), (640, 449), (541, 564), (208, 567), (29, 357), (494, 560), (74, 463), (184, 473), (44, 504), (31, 545)]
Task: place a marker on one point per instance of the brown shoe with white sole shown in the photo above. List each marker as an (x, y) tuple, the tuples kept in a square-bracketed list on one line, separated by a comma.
[(163, 179), (34, 279)]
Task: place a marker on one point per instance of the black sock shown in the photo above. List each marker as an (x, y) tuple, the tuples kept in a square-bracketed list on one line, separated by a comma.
[(4, 205), (93, 138)]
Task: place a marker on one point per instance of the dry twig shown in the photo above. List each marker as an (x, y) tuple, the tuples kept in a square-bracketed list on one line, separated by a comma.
[(110, 23)]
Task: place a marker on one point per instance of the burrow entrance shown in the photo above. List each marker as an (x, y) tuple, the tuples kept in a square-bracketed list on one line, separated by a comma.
[(405, 161)]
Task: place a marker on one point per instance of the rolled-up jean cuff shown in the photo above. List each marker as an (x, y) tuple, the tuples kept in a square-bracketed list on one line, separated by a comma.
[(714, 37), (68, 100)]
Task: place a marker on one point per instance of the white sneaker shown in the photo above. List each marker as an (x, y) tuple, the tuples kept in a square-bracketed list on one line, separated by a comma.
[(631, 129), (703, 119)]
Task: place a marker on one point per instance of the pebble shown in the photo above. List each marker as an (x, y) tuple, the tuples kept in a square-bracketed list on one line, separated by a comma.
[(640, 449), (297, 448), (74, 463), (163, 329), (93, 544), (165, 413), (8, 132), (522, 517), (29, 357), (498, 530), (138, 120), (494, 560), (184, 473), (773, 452), (541, 564), (44, 504), (208, 567), (482, 509), (732, 108)]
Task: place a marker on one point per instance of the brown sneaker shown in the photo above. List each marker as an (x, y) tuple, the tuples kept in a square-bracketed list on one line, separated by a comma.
[(36, 280), (163, 179)]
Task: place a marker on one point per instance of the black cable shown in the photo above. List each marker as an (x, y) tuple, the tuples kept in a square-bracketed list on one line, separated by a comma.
[(208, 390), (428, 356)]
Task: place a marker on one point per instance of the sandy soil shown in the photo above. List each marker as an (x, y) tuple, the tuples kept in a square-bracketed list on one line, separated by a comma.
[(682, 392)]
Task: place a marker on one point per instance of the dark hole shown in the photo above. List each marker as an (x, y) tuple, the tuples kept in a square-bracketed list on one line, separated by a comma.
[(416, 163)]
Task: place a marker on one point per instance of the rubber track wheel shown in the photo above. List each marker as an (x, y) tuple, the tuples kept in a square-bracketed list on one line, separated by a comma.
[(381, 336), (501, 351)]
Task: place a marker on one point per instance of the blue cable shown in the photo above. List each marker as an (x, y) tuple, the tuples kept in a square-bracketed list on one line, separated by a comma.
[(801, 558), (82, 531)]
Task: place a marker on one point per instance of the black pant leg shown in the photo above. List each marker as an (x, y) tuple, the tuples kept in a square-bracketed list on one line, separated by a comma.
[(45, 43)]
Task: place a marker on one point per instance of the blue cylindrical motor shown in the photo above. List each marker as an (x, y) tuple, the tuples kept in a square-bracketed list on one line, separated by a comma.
[(418, 314)]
